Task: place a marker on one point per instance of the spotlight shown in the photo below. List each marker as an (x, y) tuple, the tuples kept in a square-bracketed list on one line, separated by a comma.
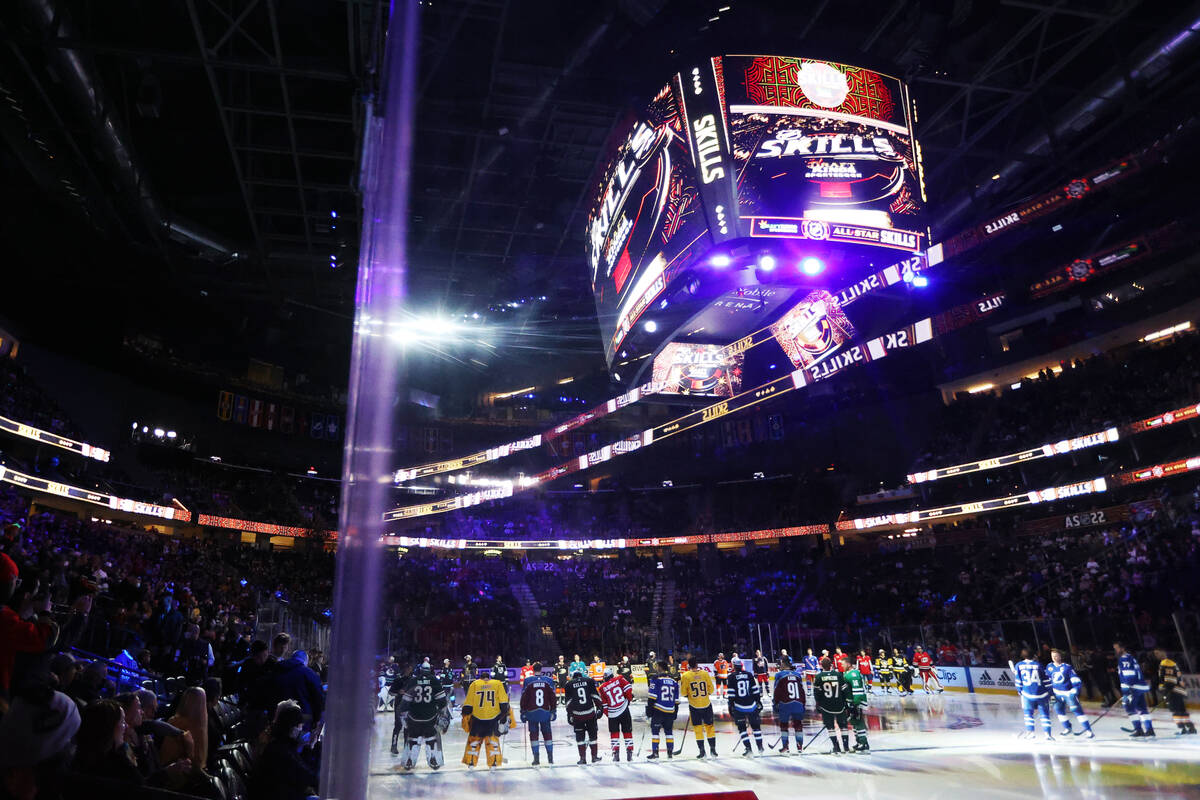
[(720, 260), (766, 262), (650, 325), (159, 433), (920, 281), (812, 266), (172, 434)]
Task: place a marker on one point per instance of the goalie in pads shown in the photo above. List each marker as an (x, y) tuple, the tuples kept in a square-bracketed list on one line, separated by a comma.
[(486, 716), (426, 714)]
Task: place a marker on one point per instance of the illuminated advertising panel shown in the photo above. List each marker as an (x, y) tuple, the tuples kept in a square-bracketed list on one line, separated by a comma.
[(645, 217), (699, 370), (826, 150), (813, 329)]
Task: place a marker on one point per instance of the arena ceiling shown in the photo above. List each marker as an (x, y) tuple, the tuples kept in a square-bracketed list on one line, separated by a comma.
[(219, 137)]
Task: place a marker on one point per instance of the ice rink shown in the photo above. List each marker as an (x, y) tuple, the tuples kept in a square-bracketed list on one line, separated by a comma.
[(951, 745)]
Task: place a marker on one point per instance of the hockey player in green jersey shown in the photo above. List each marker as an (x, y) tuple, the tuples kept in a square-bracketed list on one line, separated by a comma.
[(856, 702)]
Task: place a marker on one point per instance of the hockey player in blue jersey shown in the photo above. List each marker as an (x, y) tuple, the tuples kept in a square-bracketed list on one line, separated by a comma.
[(745, 705), (1066, 684), (1035, 695), (810, 666), (662, 705), (1133, 692)]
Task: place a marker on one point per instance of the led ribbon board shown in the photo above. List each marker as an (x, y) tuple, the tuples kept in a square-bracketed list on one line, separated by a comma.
[(37, 484), (45, 437), (888, 276), (878, 348)]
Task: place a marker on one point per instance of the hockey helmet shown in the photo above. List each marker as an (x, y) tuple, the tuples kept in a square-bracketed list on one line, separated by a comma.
[(610, 671)]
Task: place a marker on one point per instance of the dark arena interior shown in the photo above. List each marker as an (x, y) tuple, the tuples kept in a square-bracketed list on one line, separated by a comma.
[(715, 399)]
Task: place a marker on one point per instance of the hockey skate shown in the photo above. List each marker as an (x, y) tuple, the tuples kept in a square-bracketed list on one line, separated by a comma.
[(652, 757)]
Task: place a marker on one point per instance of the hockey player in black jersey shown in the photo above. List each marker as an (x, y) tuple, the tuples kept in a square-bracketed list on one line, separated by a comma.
[(745, 705), (446, 676), (426, 716), (400, 675), (561, 677), (584, 708), (831, 692)]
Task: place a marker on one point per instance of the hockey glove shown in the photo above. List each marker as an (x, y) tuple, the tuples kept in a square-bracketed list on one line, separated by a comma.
[(502, 726), (570, 719), (758, 706), (523, 719)]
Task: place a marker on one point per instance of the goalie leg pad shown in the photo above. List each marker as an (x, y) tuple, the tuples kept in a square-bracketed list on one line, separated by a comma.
[(495, 757), (433, 748), (471, 753)]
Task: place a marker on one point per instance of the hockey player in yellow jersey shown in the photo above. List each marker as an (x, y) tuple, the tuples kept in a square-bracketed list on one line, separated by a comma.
[(486, 716), (1174, 693), (697, 687)]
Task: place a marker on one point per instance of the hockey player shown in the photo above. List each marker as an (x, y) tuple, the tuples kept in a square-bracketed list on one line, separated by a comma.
[(721, 675), (1134, 688), (526, 671), (863, 664), (883, 668), (538, 709), (901, 672), (924, 665), (745, 706), (788, 702), (1065, 685), (662, 706), (856, 701), (595, 670), (499, 671), (445, 676), (486, 716), (841, 661), (697, 687), (761, 670), (831, 690), (673, 668), (811, 667), (426, 717), (583, 712), (617, 693), (576, 666), (395, 689), (625, 669), (1171, 689), (652, 667), (561, 675), (1027, 676), (470, 671)]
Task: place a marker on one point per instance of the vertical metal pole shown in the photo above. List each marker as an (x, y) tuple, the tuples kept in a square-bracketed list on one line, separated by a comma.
[(374, 382), (1070, 640)]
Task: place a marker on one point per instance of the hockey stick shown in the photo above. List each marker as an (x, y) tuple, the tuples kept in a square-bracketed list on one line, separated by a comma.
[(642, 742), (814, 738), (683, 736)]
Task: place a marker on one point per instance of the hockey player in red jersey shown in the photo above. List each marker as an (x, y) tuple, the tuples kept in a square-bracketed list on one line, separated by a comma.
[(924, 664), (841, 661), (617, 693), (526, 670), (863, 662)]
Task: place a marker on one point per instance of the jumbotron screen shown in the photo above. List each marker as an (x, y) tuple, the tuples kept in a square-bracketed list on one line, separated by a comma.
[(749, 149)]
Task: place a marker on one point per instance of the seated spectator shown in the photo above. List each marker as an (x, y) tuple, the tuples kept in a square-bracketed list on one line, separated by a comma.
[(90, 685), (101, 749), (63, 669), (280, 773), (35, 743), (17, 634)]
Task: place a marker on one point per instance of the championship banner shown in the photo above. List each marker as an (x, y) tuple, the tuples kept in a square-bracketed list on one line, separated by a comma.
[(53, 439), (37, 484), (813, 329)]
